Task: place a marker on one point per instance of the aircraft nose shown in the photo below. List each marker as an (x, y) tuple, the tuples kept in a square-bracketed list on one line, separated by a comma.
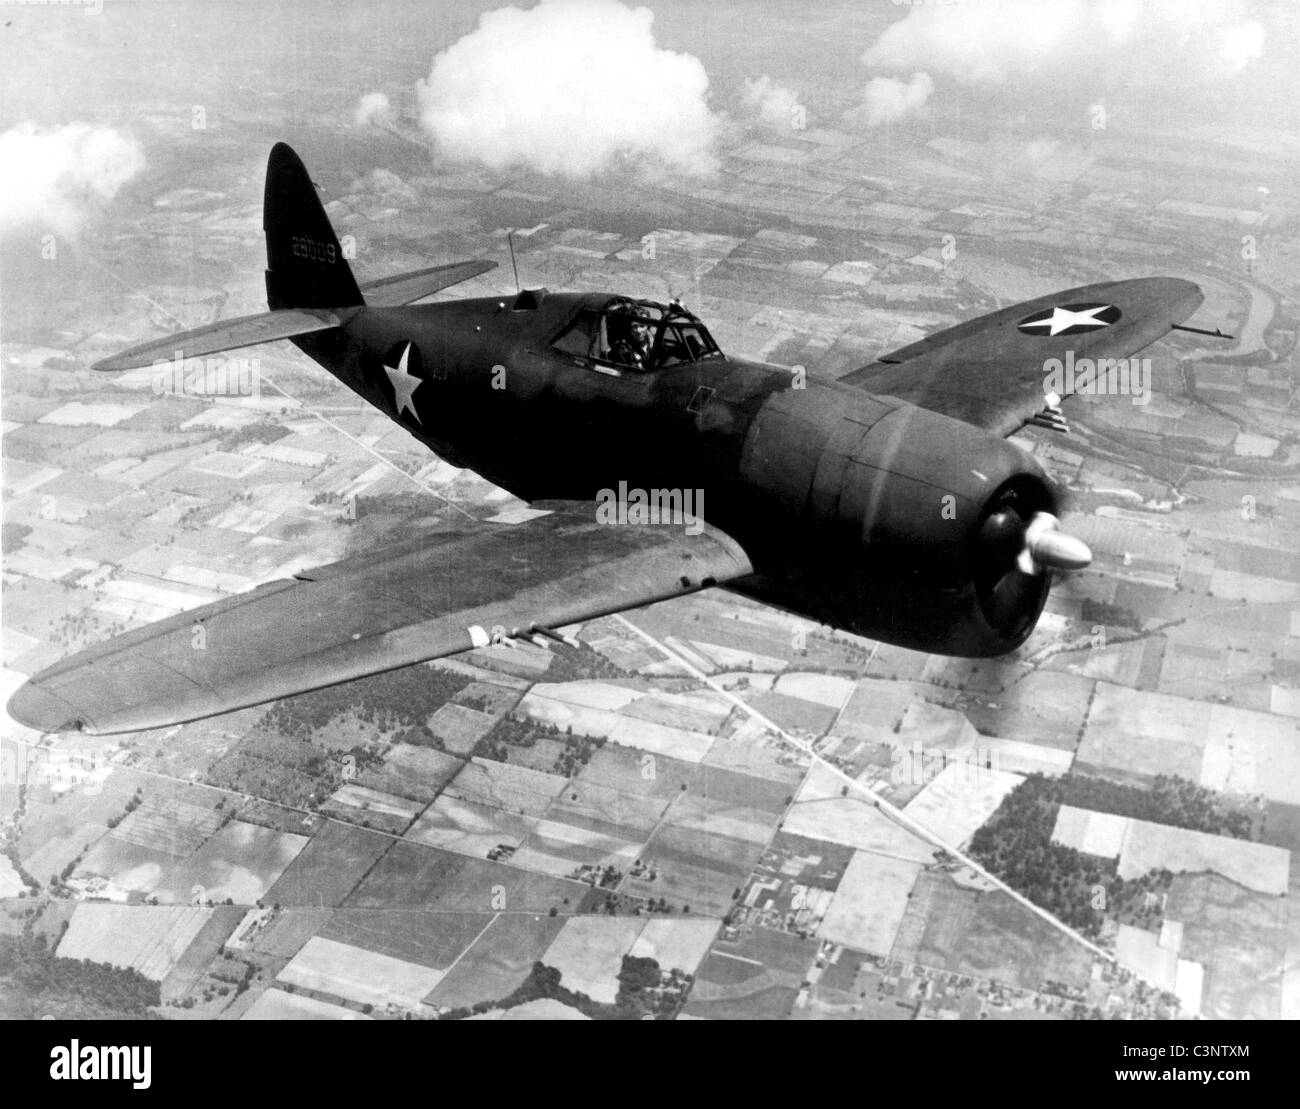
[(1048, 546)]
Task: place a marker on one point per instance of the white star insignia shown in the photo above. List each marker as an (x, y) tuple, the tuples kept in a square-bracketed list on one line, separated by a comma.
[(1062, 319), (404, 384)]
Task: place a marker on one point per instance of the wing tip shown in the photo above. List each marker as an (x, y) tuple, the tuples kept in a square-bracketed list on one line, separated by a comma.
[(1184, 297), (38, 709), (115, 363)]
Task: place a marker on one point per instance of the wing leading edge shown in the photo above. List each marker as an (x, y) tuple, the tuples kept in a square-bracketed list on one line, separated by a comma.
[(435, 596), (993, 371)]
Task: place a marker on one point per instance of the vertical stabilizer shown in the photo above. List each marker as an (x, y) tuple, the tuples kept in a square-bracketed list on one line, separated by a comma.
[(305, 267)]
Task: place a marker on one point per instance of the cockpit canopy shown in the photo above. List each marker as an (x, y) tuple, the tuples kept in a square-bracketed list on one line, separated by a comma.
[(640, 336)]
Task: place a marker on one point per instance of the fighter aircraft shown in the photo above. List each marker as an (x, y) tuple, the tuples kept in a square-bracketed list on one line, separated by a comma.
[(888, 502)]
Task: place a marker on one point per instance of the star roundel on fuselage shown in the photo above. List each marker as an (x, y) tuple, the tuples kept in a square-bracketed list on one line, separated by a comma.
[(405, 370), (1069, 319)]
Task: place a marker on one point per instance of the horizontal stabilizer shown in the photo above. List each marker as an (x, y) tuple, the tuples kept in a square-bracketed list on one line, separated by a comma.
[(406, 288), (246, 331)]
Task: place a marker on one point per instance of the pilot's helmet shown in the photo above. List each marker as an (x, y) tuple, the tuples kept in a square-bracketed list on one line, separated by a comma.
[(642, 319)]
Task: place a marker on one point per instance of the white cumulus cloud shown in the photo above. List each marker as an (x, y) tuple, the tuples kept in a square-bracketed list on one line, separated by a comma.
[(375, 108), (569, 87), (1240, 45), (886, 99), (53, 177), (775, 105), (1067, 42)]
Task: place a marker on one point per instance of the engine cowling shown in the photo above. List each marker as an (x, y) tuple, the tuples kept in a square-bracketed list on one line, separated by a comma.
[(931, 533)]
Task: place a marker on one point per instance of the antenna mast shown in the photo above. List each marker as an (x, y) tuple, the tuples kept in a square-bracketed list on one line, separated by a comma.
[(510, 239)]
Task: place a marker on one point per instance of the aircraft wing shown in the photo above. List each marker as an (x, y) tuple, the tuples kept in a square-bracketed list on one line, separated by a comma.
[(243, 331), (991, 371), (405, 288), (438, 595)]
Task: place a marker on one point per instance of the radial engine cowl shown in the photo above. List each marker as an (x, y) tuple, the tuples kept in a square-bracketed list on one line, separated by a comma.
[(958, 534), (920, 488)]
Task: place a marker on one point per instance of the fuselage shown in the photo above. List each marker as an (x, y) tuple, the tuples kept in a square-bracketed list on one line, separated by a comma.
[(855, 509)]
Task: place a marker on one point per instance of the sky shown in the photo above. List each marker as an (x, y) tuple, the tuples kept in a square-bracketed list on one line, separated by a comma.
[(577, 88)]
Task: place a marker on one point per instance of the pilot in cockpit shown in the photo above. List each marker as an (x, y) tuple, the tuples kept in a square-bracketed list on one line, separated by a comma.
[(632, 347)]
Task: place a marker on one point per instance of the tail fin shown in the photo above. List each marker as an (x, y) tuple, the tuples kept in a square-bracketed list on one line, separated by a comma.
[(305, 267)]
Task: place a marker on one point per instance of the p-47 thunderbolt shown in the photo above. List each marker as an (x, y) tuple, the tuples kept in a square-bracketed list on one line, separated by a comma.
[(888, 503)]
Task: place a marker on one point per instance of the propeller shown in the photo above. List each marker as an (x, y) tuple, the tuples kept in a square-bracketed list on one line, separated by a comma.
[(1021, 545), (1047, 547)]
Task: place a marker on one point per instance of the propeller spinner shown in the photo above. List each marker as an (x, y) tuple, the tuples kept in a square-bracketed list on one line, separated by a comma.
[(1017, 555), (1047, 547)]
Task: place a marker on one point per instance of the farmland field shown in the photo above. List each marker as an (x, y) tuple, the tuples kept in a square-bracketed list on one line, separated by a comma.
[(431, 939), (694, 869), (411, 771), (417, 877), (589, 952), (241, 862), (1044, 705), (168, 824), (794, 713), (58, 828), (632, 771), (676, 943), (150, 939), (822, 689), (755, 978), (828, 808), (460, 728), (201, 951), (288, 930), (1134, 735), (960, 799), (989, 935), (358, 804), (760, 753), (128, 866), (634, 813), (869, 905), (1241, 938), (706, 814), (358, 975), (326, 870), (560, 846), (499, 961), (276, 1004), (874, 708), (698, 711), (498, 785), (469, 829), (496, 699), (730, 787)]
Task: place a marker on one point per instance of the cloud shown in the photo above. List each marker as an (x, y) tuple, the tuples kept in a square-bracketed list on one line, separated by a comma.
[(775, 105), (569, 87), (1240, 45), (1012, 42), (887, 98), (388, 187), (53, 178), (375, 108)]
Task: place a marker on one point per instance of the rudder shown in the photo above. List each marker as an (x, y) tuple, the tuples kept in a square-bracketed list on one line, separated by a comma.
[(305, 267)]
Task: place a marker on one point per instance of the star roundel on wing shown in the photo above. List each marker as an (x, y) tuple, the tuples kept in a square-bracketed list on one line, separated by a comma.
[(405, 370), (1069, 319)]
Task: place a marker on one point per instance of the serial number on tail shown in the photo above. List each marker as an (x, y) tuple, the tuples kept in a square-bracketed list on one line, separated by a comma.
[(313, 250)]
